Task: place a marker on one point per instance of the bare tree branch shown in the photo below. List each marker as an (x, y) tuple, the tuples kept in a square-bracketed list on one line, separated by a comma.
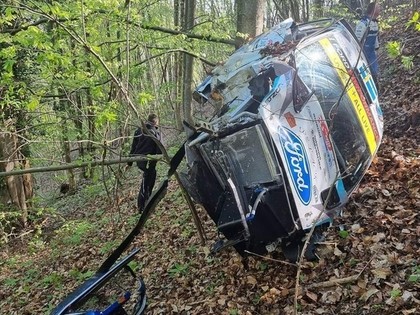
[(174, 51), (83, 164)]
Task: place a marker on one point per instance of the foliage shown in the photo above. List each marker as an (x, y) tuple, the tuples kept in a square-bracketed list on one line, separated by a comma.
[(73, 233), (395, 49), (339, 11), (178, 270), (64, 63), (8, 220), (415, 275), (343, 233), (414, 21)]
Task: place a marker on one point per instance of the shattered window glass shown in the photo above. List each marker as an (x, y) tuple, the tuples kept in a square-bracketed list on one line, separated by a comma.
[(250, 150), (350, 145)]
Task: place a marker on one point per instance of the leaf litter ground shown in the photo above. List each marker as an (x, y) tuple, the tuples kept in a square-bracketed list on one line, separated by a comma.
[(369, 261)]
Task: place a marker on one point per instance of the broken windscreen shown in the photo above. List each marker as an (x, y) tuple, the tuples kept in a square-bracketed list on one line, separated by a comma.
[(317, 72)]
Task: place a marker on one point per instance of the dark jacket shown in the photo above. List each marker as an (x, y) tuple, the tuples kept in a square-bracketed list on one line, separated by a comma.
[(144, 144)]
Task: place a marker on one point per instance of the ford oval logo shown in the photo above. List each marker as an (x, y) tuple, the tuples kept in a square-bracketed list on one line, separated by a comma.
[(297, 163)]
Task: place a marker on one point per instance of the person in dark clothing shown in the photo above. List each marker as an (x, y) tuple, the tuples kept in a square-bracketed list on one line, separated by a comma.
[(369, 24), (144, 143)]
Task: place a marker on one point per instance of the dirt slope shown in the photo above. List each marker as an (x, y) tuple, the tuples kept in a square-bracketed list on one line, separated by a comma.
[(369, 261)]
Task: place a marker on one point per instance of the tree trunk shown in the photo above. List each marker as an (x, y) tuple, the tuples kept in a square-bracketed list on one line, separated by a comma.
[(318, 8), (306, 17), (249, 18), (67, 156), (176, 74), (188, 63), (295, 10), (91, 132), (14, 190)]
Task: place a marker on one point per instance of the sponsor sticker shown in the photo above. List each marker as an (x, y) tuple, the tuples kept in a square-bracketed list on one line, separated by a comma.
[(366, 106), (379, 112), (325, 135), (297, 164), (316, 147), (275, 90), (364, 114), (290, 119), (368, 81)]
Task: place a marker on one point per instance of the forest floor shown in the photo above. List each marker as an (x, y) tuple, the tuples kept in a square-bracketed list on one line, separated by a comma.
[(369, 261)]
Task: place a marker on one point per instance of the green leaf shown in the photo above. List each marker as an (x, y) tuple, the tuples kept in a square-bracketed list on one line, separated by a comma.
[(5, 38), (56, 9), (32, 104), (414, 278), (8, 16), (395, 293), (144, 98), (393, 48), (8, 52), (414, 21), (105, 116), (8, 65), (408, 62), (344, 234), (9, 282)]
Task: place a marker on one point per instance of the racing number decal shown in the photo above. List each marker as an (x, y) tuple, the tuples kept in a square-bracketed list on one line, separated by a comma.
[(363, 113)]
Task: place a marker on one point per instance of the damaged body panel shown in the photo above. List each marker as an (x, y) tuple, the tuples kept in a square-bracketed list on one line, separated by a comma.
[(297, 127)]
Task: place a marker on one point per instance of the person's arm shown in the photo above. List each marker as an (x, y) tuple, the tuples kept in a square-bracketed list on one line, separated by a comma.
[(360, 30), (134, 144), (158, 136)]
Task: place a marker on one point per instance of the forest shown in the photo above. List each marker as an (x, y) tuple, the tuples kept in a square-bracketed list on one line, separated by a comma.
[(76, 80)]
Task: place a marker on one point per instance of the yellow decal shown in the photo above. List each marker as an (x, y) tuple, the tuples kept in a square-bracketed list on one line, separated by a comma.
[(351, 92)]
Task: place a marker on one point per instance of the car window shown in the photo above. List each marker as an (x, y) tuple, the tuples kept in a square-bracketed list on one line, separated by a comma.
[(316, 71)]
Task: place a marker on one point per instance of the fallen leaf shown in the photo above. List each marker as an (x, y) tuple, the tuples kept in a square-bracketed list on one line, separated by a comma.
[(251, 280), (221, 301), (386, 193), (381, 273), (406, 296), (312, 296), (368, 294)]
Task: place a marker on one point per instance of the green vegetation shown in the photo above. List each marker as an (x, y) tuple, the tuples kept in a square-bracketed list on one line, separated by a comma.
[(395, 293), (343, 234), (414, 277), (395, 48), (178, 270)]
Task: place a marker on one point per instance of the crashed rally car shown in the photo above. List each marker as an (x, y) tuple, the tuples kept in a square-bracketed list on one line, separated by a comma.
[(297, 126)]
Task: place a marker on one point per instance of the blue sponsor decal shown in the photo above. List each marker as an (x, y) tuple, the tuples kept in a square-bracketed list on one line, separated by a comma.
[(369, 83), (379, 111), (275, 89), (297, 163)]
